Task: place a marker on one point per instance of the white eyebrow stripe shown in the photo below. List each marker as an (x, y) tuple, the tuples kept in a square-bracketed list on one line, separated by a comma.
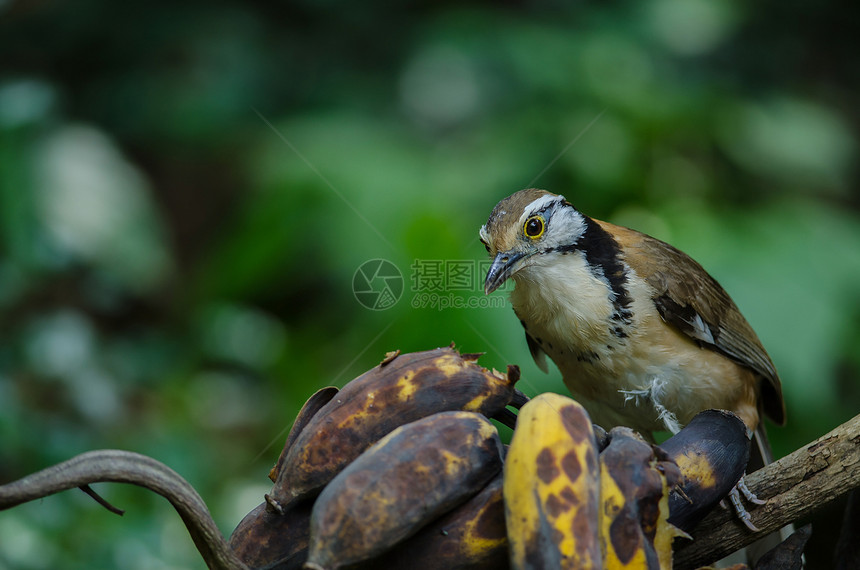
[(540, 204)]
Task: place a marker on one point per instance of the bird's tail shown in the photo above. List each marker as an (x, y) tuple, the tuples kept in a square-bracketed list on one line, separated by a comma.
[(761, 454)]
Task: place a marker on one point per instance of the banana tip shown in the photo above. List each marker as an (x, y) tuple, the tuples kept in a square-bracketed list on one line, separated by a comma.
[(389, 356), (471, 356), (273, 505)]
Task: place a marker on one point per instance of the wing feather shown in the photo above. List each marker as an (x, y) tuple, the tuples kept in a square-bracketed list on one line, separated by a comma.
[(538, 354), (687, 297)]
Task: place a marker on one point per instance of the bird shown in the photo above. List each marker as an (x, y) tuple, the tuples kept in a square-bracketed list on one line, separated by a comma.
[(642, 334)]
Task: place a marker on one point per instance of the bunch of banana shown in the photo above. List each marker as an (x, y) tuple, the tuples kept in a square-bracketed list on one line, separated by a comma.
[(401, 469), (402, 389), (336, 428), (576, 497), (644, 495), (408, 478)]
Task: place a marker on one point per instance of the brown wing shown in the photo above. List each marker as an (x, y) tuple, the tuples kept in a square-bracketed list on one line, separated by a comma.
[(687, 297), (538, 355)]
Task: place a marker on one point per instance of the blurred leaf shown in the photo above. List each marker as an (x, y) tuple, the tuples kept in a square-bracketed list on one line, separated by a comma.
[(186, 193)]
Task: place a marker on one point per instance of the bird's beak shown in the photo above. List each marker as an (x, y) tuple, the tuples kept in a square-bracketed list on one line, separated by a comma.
[(504, 265)]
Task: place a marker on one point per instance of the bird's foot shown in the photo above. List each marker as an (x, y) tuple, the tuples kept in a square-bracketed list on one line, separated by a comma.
[(737, 505), (653, 395), (748, 495)]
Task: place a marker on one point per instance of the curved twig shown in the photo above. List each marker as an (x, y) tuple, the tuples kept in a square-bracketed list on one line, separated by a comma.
[(116, 466), (101, 500)]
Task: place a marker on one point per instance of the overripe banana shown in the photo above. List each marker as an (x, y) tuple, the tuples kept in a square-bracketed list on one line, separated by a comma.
[(314, 404), (635, 479), (471, 536), (264, 539), (712, 452), (551, 479), (402, 389), (414, 474)]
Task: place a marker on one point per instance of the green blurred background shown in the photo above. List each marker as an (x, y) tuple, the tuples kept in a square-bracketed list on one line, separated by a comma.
[(187, 190)]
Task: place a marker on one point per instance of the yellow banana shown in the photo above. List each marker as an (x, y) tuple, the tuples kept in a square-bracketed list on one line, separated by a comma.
[(551, 487), (408, 478)]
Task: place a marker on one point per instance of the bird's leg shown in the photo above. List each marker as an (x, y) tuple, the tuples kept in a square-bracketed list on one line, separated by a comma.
[(636, 396), (748, 495), (653, 394), (734, 497)]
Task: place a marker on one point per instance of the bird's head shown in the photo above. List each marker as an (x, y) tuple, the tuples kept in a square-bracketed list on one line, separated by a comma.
[(524, 228)]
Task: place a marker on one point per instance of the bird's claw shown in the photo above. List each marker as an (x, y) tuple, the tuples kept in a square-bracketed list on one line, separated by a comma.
[(748, 495), (740, 511), (737, 505)]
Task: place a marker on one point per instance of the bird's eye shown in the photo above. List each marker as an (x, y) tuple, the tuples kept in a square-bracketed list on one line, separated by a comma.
[(534, 227), (486, 246)]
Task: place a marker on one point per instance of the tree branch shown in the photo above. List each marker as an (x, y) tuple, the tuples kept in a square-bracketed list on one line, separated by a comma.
[(794, 487)]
